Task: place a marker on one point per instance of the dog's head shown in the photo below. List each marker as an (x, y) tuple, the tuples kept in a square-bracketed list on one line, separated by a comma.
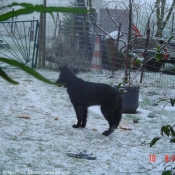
[(66, 76)]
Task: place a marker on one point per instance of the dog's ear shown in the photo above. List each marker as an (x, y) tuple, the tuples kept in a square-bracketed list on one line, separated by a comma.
[(61, 68), (65, 67)]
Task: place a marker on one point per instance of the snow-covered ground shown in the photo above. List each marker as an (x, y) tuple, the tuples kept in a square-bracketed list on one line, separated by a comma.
[(36, 131)]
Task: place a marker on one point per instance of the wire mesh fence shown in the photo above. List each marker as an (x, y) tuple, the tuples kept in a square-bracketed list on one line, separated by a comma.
[(18, 41), (71, 39)]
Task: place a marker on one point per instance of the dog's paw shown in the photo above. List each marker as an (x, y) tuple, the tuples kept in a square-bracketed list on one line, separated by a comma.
[(106, 133), (75, 126), (82, 126)]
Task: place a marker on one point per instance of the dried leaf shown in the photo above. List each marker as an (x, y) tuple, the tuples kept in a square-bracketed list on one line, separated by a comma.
[(24, 117), (94, 129), (125, 127), (56, 118)]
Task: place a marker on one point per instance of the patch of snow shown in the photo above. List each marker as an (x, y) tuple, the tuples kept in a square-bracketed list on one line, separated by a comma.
[(41, 143)]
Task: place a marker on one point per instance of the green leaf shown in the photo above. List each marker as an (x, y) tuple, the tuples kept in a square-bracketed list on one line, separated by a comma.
[(155, 139), (161, 131), (157, 48), (158, 56), (167, 172), (172, 141), (122, 90), (172, 131), (170, 38), (6, 77), (28, 70), (118, 86), (41, 8), (164, 46), (172, 101), (29, 8), (166, 130), (26, 5), (138, 62), (51, 14)]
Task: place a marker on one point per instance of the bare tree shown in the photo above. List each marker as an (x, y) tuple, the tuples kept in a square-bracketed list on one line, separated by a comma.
[(162, 15), (157, 15)]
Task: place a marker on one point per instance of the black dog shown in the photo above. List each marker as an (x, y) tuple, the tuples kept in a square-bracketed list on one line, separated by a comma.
[(84, 94)]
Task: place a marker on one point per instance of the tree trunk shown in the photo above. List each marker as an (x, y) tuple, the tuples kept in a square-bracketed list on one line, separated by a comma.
[(161, 16)]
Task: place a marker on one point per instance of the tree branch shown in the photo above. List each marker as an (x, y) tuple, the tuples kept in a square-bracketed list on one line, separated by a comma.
[(169, 13)]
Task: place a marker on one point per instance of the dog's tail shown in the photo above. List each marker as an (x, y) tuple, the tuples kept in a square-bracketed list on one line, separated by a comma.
[(112, 110), (112, 107), (118, 109)]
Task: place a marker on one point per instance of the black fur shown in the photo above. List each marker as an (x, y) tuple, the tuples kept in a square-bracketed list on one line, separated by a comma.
[(84, 94)]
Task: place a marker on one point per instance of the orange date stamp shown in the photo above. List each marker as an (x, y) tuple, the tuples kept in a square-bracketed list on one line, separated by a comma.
[(167, 158)]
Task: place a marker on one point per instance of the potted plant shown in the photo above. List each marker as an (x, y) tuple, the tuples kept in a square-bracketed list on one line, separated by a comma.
[(123, 45), (128, 87)]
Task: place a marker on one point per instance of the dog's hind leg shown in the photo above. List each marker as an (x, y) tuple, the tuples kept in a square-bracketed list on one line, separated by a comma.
[(113, 117), (109, 116), (111, 129), (112, 112), (113, 120)]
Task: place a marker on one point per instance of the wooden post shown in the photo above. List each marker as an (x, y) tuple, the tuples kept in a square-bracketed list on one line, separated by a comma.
[(128, 58), (57, 21), (42, 38), (115, 52), (40, 42), (145, 53), (59, 28), (172, 25)]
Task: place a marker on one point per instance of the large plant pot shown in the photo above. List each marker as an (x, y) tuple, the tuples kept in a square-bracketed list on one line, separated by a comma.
[(130, 101)]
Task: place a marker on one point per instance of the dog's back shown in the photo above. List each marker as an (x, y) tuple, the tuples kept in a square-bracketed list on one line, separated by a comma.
[(84, 94), (89, 93)]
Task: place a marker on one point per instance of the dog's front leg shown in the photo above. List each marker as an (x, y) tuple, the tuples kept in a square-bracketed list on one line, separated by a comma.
[(84, 117), (77, 125), (79, 113)]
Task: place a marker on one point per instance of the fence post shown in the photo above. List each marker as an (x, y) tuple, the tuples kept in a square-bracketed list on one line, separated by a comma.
[(145, 53), (42, 38), (12, 22), (40, 42), (57, 21), (128, 58)]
